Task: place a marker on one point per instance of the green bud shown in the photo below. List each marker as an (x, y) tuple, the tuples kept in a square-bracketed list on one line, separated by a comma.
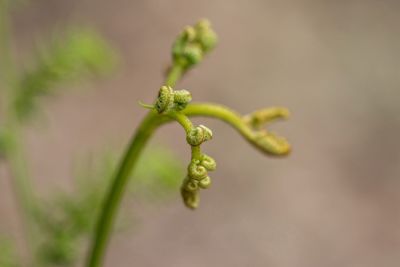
[(165, 100), (189, 34), (192, 53), (196, 171), (191, 185), (205, 35), (181, 99), (199, 135), (191, 199), (272, 144), (260, 117), (208, 163)]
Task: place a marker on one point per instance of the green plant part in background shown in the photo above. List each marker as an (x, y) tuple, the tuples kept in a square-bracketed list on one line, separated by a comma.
[(188, 50), (65, 220), (68, 55)]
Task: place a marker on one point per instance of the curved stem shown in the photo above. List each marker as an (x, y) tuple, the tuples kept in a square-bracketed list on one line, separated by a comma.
[(223, 113), (174, 74), (113, 199), (267, 143), (183, 120), (114, 196)]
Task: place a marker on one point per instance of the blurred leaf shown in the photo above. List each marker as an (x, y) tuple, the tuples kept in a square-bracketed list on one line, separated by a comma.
[(8, 257), (158, 174), (67, 219), (67, 57)]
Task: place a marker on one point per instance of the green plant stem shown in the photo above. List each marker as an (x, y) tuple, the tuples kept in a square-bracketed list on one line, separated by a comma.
[(175, 73), (144, 132), (113, 199)]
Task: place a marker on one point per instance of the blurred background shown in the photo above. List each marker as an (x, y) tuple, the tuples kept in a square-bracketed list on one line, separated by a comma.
[(335, 64)]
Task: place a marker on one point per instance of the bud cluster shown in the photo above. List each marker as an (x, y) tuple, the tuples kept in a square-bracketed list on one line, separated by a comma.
[(169, 99), (197, 179), (193, 43)]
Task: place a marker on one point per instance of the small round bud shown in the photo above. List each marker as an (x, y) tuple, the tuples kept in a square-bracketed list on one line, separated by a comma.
[(191, 185), (199, 135), (208, 40), (192, 53), (181, 99), (205, 182), (205, 35), (208, 163), (165, 100), (189, 33), (203, 24)]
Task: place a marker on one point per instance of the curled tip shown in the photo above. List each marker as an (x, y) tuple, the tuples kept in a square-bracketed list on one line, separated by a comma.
[(203, 23), (193, 43), (191, 199), (181, 99), (193, 53), (205, 35), (165, 100), (196, 171), (260, 117), (198, 135), (189, 33), (191, 185), (205, 182), (208, 163), (271, 144)]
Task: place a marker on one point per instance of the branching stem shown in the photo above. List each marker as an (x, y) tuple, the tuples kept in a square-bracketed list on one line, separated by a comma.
[(188, 50), (147, 127)]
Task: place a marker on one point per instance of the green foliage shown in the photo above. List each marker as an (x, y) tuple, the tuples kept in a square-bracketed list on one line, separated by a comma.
[(67, 219), (158, 174), (65, 58), (54, 228), (8, 257)]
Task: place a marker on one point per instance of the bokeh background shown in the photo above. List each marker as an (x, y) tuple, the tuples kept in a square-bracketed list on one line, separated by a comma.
[(335, 64)]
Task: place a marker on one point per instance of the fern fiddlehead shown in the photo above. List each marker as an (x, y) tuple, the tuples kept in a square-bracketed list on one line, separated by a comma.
[(189, 49)]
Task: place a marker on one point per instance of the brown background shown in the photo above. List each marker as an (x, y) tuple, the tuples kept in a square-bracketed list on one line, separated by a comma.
[(335, 64)]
